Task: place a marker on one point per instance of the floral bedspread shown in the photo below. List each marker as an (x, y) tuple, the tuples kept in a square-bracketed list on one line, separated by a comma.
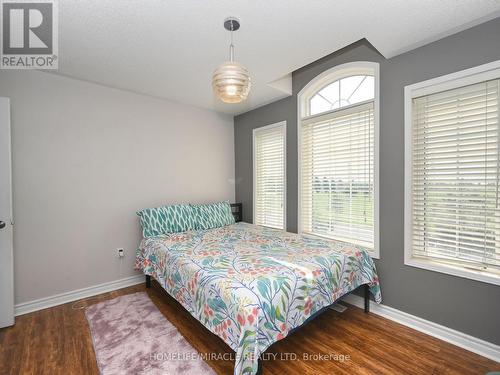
[(251, 285)]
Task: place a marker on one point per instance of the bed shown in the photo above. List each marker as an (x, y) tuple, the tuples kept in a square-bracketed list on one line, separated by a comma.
[(252, 285)]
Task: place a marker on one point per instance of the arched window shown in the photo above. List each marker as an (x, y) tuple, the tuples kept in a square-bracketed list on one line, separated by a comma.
[(338, 154)]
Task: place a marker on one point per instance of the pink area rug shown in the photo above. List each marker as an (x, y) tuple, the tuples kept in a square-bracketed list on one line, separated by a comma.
[(131, 336)]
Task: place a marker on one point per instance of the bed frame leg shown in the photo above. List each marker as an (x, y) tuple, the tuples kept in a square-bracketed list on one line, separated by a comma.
[(148, 281), (259, 368), (367, 298)]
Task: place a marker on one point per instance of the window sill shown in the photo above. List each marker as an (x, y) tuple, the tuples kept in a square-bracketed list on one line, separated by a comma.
[(374, 254), (490, 277)]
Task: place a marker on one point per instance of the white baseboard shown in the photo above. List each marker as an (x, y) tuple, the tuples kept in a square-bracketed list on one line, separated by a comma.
[(473, 344), (59, 299)]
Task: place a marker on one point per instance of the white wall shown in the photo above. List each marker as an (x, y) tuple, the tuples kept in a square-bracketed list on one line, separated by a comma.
[(85, 158)]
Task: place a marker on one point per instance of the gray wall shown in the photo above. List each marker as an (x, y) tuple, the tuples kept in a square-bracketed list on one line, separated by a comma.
[(85, 158), (469, 306)]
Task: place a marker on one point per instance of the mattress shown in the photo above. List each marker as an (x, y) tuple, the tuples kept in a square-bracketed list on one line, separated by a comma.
[(252, 285)]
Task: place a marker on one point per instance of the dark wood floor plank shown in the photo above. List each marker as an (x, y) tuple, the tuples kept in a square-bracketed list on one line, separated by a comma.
[(58, 341)]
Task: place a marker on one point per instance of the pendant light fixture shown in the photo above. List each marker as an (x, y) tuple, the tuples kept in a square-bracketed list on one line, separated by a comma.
[(231, 80)]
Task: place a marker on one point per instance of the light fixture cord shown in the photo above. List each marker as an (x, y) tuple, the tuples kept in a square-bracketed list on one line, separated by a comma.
[(231, 46)]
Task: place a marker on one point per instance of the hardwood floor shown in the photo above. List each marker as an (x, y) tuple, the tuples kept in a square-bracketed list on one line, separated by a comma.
[(58, 341)]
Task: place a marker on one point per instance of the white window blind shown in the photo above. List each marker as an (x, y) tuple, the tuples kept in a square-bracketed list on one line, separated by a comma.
[(455, 175), (337, 174), (269, 176)]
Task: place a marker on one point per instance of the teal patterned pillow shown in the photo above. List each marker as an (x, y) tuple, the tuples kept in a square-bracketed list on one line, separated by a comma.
[(213, 215), (166, 219)]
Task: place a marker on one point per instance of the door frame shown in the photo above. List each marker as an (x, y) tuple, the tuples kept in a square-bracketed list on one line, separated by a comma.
[(7, 255)]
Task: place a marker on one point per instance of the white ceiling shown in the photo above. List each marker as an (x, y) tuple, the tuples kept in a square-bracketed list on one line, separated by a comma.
[(169, 48)]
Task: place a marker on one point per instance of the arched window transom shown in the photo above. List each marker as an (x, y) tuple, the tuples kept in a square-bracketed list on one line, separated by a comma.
[(343, 92)]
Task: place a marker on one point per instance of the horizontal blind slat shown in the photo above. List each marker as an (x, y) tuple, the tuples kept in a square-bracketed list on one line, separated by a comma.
[(455, 174), (269, 146), (337, 181)]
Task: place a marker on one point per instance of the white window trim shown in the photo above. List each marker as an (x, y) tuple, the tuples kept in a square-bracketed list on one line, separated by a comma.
[(254, 184), (341, 71), (447, 82)]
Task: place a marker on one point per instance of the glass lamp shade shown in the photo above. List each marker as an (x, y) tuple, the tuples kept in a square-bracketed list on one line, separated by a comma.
[(231, 82)]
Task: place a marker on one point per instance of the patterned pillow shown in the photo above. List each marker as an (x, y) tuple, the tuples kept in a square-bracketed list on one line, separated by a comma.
[(212, 215), (166, 219)]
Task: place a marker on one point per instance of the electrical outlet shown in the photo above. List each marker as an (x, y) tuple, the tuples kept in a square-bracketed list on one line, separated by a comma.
[(121, 252)]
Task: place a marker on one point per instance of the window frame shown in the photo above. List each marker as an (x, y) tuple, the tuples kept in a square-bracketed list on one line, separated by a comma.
[(254, 170), (451, 81), (303, 99)]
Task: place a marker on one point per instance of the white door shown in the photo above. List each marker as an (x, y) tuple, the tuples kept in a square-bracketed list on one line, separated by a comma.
[(6, 256)]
